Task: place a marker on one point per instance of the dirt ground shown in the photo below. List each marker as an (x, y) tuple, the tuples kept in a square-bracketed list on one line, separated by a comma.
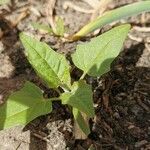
[(121, 97)]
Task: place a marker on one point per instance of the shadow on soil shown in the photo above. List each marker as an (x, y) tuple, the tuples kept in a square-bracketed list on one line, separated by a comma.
[(123, 103)]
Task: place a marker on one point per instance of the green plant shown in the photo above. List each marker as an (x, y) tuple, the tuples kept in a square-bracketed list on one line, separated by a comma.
[(93, 58), (113, 15), (59, 29), (42, 27), (108, 17)]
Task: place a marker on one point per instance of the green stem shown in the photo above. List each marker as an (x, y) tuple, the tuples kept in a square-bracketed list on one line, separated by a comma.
[(82, 77), (58, 91), (114, 15), (65, 88), (54, 99)]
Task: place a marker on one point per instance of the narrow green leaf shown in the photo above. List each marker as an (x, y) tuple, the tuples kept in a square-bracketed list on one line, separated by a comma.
[(38, 26), (60, 29), (80, 121), (80, 97), (95, 57), (114, 15), (23, 106), (52, 67)]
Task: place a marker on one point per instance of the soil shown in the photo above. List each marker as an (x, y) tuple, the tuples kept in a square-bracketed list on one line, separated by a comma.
[(121, 97)]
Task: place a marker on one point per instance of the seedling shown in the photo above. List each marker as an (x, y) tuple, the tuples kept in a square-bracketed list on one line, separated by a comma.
[(107, 18), (42, 27), (93, 58), (59, 30)]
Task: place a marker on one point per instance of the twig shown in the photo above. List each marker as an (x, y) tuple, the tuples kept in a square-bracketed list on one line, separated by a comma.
[(92, 3), (18, 146), (21, 17), (40, 137), (147, 46), (100, 8), (49, 13), (141, 29), (134, 38), (75, 7)]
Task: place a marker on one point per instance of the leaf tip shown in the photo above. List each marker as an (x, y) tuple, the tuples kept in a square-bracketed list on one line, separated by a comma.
[(126, 27)]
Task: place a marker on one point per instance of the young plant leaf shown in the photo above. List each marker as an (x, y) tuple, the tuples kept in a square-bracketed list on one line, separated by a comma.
[(52, 67), (38, 26), (60, 29), (23, 106), (81, 122), (80, 97), (95, 57)]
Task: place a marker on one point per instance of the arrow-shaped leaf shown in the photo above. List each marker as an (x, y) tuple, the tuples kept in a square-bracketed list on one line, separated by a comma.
[(23, 106), (52, 67), (95, 57), (80, 97)]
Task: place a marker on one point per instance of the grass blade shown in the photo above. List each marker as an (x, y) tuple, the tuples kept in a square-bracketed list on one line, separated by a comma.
[(114, 15)]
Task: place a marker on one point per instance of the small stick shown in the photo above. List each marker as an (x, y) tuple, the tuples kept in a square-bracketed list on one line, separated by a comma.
[(49, 13), (92, 3), (75, 7), (40, 137), (138, 39), (141, 29), (21, 17), (100, 8), (147, 46)]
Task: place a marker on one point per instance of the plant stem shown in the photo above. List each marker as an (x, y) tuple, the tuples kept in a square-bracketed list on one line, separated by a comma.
[(82, 77), (58, 91), (54, 99), (65, 88)]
